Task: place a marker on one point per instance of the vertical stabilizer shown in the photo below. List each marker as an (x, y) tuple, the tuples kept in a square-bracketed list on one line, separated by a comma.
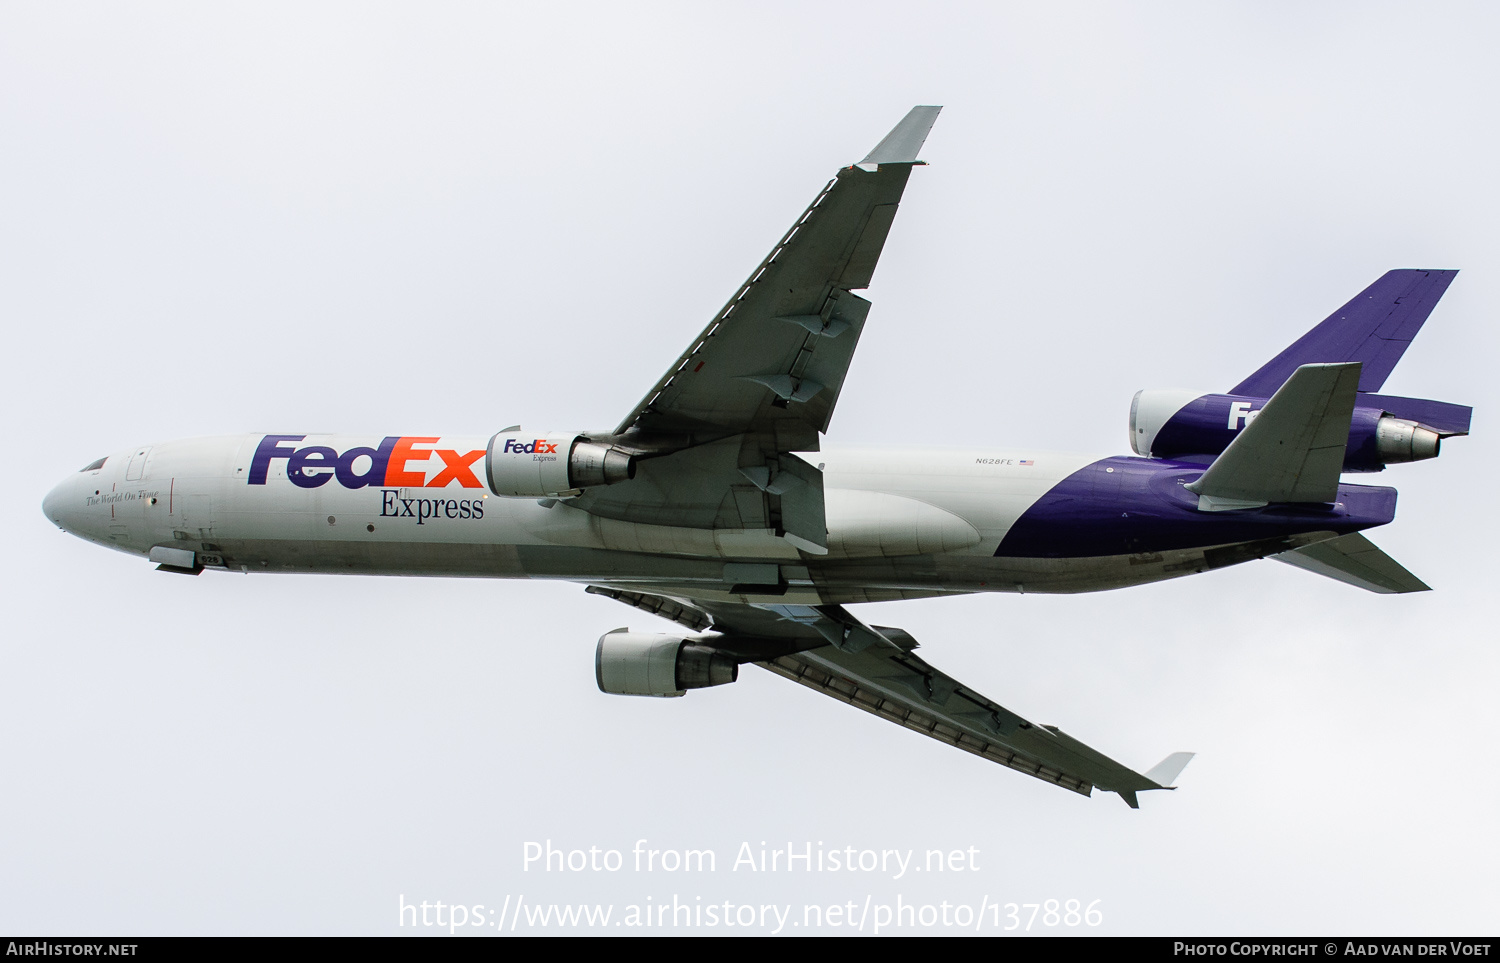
[(1375, 328)]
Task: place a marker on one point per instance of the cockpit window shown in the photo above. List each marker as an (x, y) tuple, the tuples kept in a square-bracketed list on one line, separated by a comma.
[(94, 465)]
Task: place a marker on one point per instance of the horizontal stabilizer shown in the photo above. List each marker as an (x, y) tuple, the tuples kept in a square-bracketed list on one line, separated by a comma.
[(1375, 328), (1354, 560), (1293, 451)]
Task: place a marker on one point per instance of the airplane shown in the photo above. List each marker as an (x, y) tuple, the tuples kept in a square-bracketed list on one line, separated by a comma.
[(712, 503)]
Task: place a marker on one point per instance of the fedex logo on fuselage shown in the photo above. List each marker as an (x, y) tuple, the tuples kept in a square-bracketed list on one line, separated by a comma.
[(397, 462), (539, 447)]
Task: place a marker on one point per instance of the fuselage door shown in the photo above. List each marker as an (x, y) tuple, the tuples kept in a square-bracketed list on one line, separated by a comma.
[(135, 470)]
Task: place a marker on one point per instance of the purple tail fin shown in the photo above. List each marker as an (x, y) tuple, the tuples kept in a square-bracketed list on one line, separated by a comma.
[(1375, 328)]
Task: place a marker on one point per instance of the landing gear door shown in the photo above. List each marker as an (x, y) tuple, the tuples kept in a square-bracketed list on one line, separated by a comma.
[(197, 517)]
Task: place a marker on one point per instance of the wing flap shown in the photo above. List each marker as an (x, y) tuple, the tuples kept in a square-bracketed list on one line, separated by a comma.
[(672, 609)]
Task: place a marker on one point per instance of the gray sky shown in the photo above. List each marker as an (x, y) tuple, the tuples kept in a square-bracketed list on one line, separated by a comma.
[(424, 219)]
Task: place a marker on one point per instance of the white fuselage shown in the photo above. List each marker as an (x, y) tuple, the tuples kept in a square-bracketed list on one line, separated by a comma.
[(901, 523)]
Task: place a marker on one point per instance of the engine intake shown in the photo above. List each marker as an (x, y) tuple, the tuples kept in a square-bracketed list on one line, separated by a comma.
[(521, 465), (638, 663)]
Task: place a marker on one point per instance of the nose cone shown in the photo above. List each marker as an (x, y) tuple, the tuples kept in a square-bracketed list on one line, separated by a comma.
[(74, 504), (60, 508), (89, 505)]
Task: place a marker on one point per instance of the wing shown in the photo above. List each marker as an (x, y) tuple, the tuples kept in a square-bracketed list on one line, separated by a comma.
[(774, 358), (875, 668), (715, 440)]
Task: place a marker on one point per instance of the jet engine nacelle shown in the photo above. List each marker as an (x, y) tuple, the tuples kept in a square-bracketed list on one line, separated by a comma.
[(520, 465), (1182, 424), (645, 664)]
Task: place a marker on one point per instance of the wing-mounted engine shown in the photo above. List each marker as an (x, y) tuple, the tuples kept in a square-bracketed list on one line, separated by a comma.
[(647, 664), (521, 465), (1385, 429)]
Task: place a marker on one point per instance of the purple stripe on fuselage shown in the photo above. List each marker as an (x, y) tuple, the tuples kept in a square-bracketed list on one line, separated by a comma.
[(1123, 506)]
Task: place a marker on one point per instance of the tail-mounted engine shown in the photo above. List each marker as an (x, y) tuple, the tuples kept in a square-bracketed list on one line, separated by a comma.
[(1385, 430), (546, 466), (638, 663)]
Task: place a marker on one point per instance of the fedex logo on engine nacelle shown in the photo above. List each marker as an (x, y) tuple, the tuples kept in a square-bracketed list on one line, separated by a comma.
[(539, 447), (394, 463)]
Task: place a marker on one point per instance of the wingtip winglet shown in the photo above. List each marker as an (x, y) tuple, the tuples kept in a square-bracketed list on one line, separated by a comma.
[(901, 145), (1165, 773), (1161, 775)]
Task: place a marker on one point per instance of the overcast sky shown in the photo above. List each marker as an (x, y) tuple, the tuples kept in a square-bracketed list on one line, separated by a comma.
[(450, 218)]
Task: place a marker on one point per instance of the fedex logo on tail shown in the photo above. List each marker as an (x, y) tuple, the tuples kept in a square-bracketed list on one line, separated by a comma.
[(397, 462), (1240, 411)]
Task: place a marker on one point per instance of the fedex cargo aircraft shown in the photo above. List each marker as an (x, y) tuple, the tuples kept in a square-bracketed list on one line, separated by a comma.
[(714, 505)]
